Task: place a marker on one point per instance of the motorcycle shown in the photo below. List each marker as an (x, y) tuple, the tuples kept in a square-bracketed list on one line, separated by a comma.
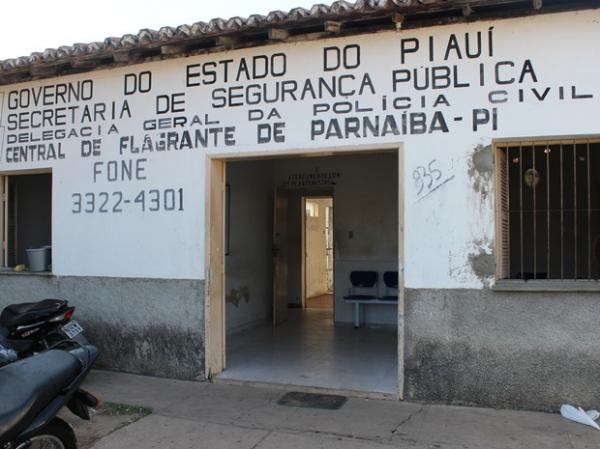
[(28, 328), (35, 389)]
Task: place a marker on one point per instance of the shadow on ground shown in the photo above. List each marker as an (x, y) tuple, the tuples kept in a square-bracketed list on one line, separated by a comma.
[(108, 419)]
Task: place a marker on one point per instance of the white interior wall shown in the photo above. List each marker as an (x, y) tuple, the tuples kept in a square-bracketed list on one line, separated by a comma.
[(365, 230), (365, 222), (249, 263)]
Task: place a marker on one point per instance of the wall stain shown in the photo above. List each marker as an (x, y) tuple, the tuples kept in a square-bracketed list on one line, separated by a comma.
[(481, 173), (481, 170), (483, 265), (482, 261), (478, 347), (235, 296), (435, 371), (148, 348)]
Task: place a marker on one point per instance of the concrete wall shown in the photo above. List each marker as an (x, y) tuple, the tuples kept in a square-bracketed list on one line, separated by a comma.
[(249, 283), (316, 248), (533, 350), (143, 326)]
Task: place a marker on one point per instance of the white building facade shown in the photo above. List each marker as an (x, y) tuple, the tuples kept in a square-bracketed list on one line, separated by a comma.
[(498, 297)]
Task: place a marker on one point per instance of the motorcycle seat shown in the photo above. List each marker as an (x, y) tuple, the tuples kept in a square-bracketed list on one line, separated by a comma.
[(29, 385), (18, 314)]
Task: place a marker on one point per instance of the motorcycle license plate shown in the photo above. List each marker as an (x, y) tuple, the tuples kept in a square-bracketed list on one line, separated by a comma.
[(72, 329)]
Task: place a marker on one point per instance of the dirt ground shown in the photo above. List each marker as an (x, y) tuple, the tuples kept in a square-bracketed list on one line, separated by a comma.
[(108, 419)]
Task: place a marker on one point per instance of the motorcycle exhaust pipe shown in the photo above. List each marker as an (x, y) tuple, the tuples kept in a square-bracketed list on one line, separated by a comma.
[(81, 402)]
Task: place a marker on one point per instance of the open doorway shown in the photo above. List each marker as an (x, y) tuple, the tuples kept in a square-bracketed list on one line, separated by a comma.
[(262, 322), (318, 253)]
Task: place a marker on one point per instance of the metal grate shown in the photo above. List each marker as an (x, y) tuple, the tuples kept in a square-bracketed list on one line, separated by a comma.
[(549, 206), (312, 400)]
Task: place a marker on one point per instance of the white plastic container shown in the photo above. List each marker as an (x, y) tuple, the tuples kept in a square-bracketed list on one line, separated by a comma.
[(48, 249), (37, 258)]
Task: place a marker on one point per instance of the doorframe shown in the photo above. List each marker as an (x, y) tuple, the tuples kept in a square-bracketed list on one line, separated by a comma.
[(214, 284), (303, 199), (280, 256), (4, 218), (401, 287), (5, 204), (214, 239)]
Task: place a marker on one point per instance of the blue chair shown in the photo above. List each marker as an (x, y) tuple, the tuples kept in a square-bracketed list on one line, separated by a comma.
[(362, 280), (390, 280)]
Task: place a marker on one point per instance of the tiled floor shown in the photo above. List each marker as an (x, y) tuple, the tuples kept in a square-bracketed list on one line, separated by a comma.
[(309, 350)]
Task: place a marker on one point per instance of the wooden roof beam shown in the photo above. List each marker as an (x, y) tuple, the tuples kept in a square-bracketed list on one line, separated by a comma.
[(90, 63), (398, 19), (278, 34), (227, 41), (172, 49), (45, 71), (122, 56), (331, 26)]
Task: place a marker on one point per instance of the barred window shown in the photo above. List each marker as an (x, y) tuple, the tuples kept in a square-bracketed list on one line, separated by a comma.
[(548, 210), (27, 214)]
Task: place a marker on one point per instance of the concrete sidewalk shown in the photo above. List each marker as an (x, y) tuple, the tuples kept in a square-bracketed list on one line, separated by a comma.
[(214, 416)]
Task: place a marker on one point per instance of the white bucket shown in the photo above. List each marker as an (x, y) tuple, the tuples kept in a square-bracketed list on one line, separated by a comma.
[(48, 249), (37, 258)]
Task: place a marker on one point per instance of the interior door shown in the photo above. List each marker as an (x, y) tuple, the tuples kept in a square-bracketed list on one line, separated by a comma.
[(280, 257), (329, 245)]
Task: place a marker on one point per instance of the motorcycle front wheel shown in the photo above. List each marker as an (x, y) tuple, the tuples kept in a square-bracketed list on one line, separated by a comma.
[(56, 435)]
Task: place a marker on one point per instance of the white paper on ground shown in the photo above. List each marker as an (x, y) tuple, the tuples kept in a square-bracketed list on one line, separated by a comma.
[(594, 414), (579, 415)]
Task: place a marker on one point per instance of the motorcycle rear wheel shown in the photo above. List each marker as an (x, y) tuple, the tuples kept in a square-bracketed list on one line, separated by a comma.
[(56, 435)]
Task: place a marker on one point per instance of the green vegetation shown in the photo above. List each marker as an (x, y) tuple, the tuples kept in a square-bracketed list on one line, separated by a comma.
[(115, 409)]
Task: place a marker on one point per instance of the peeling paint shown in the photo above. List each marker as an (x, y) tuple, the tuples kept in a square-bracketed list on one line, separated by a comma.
[(478, 261), (458, 268), (484, 244), (482, 261), (481, 170), (235, 296), (483, 265)]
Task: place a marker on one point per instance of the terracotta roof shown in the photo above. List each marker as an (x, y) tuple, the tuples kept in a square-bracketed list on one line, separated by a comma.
[(339, 17)]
